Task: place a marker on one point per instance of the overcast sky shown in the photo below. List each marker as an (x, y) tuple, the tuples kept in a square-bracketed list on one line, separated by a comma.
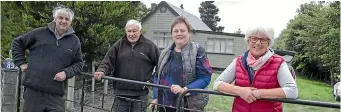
[(244, 13)]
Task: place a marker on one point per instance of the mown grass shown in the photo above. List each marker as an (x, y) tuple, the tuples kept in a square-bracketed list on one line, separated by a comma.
[(308, 90)]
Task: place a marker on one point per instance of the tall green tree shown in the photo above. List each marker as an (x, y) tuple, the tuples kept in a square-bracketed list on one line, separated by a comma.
[(208, 14), (97, 24), (315, 34), (152, 7)]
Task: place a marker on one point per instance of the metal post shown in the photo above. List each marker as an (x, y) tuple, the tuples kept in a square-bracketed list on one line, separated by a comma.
[(1, 90), (70, 93), (93, 82), (105, 86), (19, 90), (105, 91), (82, 97), (93, 79)]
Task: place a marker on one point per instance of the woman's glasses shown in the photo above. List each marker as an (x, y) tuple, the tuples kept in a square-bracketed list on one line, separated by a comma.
[(254, 39)]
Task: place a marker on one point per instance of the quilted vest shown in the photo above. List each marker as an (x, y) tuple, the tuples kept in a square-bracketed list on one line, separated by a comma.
[(188, 54), (264, 78)]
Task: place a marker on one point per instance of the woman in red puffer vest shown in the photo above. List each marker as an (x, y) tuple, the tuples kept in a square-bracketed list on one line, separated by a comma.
[(259, 73)]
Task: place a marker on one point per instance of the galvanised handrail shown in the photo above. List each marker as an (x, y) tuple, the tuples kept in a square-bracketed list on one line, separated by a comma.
[(292, 101), (131, 81)]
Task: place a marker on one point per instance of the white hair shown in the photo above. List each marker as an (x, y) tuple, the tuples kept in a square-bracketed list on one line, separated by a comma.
[(63, 10), (268, 31), (134, 22)]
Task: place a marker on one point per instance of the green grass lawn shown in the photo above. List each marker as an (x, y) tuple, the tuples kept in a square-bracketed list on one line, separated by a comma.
[(308, 90)]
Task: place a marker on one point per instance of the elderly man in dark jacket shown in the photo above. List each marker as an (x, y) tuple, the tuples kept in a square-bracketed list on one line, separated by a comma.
[(132, 57), (54, 57)]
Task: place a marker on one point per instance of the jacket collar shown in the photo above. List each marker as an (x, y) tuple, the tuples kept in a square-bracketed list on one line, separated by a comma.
[(265, 58), (141, 39), (52, 26), (186, 46)]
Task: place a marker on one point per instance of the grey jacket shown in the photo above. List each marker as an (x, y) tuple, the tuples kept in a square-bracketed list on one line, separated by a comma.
[(48, 56), (188, 54)]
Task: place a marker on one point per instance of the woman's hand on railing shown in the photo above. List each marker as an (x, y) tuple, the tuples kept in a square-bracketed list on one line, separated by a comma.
[(247, 94), (177, 89), (98, 75)]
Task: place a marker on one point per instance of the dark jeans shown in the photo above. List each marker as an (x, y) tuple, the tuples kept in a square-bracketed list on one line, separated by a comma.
[(168, 109), (38, 101), (130, 103)]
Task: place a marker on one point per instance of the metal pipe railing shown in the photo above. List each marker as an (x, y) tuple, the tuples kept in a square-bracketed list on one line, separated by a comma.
[(292, 101), (120, 80), (181, 96), (131, 81)]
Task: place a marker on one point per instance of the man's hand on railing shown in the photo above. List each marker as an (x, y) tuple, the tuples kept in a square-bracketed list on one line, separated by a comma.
[(60, 76), (98, 75), (148, 87), (23, 67), (152, 106)]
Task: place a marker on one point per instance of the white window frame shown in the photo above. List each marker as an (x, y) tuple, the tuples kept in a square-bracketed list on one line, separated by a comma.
[(215, 45), (162, 39)]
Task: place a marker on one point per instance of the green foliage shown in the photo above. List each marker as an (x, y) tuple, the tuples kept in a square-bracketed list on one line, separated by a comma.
[(315, 34), (208, 14), (279, 43), (97, 24)]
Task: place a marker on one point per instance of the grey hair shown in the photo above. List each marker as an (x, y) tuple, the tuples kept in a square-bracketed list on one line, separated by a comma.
[(134, 22), (63, 10), (265, 30)]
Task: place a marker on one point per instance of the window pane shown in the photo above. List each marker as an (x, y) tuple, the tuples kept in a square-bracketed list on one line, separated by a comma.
[(162, 39), (223, 45), (154, 40), (230, 46), (229, 50), (170, 41), (209, 45), (162, 34), (229, 42), (165, 42), (161, 42), (158, 41), (210, 41), (217, 45)]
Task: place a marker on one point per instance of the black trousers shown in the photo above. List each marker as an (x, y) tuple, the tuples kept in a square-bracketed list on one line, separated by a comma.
[(130, 103), (168, 109), (38, 101)]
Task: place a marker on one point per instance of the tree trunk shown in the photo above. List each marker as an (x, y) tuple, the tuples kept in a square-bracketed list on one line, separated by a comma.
[(332, 75), (320, 76), (326, 76)]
